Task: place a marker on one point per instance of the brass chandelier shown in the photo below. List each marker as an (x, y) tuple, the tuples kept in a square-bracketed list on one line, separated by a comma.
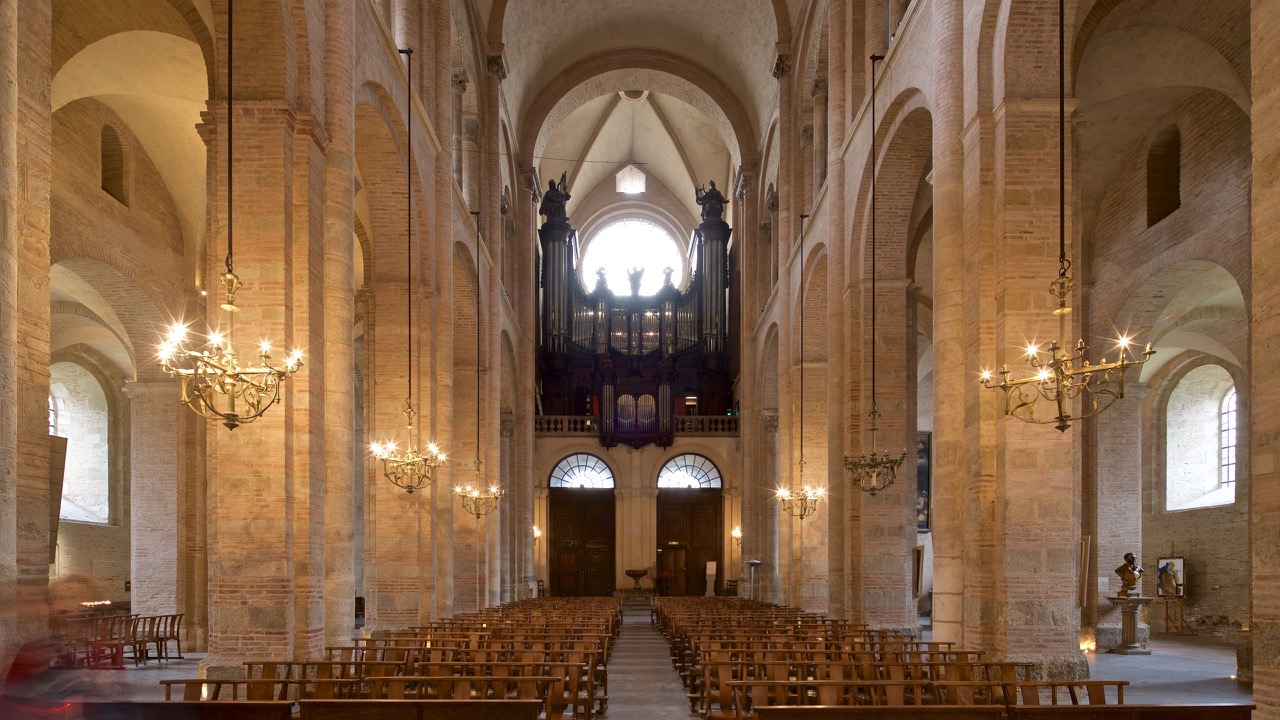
[(803, 501), (479, 501), (874, 472), (1057, 376), (214, 383), (411, 469)]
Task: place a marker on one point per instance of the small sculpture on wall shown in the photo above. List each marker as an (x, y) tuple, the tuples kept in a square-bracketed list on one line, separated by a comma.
[(711, 201), (1130, 574)]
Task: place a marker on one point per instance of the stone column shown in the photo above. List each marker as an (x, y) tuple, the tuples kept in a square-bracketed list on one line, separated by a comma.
[(1264, 421), (770, 548), (405, 23), (788, 137), (435, 237), (820, 132), (541, 516), (266, 531), (950, 379), (156, 514), (458, 85), (9, 273), (1034, 507), (1115, 503), (887, 520), (839, 558), (339, 322), (398, 526), (25, 29), (471, 160)]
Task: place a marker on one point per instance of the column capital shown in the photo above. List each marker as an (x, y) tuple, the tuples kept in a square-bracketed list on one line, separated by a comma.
[(819, 87), (532, 183), (770, 421), (744, 180), (458, 81), (781, 65), (508, 424), (496, 66)]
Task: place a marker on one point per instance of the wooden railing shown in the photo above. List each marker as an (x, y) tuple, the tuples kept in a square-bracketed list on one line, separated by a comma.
[(566, 425)]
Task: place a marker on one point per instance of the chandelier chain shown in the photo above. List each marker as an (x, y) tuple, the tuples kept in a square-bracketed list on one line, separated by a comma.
[(231, 130), (1066, 375), (408, 192), (873, 472), (800, 295)]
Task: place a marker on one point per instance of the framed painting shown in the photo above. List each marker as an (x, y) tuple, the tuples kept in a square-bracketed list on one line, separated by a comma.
[(1171, 578), (924, 479)]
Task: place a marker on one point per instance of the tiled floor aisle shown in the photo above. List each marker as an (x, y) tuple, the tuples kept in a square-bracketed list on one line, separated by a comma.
[(642, 683)]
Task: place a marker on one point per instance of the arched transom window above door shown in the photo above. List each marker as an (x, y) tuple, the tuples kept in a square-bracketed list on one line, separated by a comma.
[(689, 471), (581, 470)]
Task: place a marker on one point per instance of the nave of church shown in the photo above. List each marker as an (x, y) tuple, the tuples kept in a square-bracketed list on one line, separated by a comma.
[(322, 321)]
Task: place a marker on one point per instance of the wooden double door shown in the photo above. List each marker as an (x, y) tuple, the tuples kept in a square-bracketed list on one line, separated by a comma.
[(582, 541), (689, 536)]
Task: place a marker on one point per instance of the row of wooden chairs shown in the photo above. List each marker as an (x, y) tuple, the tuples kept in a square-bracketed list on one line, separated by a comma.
[(103, 641), (552, 651)]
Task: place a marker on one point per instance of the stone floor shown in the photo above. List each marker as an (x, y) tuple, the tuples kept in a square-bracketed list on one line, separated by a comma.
[(643, 686)]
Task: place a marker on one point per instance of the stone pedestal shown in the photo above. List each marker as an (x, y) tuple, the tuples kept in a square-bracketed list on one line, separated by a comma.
[(1129, 607)]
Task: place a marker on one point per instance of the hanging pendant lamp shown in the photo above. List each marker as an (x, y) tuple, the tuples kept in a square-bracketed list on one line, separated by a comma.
[(1054, 375), (214, 383), (410, 469), (873, 472)]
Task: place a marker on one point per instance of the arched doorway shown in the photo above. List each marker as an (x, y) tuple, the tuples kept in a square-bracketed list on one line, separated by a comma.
[(581, 502), (689, 525)]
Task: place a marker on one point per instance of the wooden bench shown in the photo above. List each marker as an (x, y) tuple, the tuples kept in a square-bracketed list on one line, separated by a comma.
[(419, 709), (261, 689), (1131, 712), (186, 710), (880, 712)]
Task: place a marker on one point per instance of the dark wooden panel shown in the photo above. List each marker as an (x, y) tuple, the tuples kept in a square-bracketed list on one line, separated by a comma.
[(186, 710), (583, 541), (419, 709), (690, 521), (1131, 712), (705, 526), (881, 712)]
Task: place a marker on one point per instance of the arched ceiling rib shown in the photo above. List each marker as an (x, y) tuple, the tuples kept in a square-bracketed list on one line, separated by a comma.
[(543, 39), (675, 144)]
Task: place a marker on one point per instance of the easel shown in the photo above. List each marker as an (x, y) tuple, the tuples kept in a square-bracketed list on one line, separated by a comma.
[(1175, 622)]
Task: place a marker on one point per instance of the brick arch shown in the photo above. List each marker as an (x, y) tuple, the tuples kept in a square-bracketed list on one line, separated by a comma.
[(1025, 49), (768, 365), (905, 151), (618, 70), (380, 152), (191, 16), (813, 52), (125, 308), (811, 299), (510, 393), (1139, 304)]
